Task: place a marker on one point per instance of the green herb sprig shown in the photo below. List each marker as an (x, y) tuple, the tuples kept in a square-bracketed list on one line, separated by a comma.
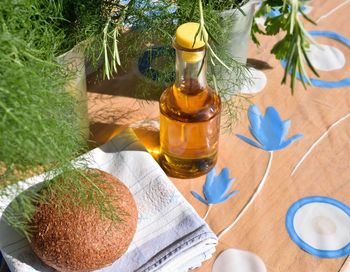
[(292, 48), (39, 123)]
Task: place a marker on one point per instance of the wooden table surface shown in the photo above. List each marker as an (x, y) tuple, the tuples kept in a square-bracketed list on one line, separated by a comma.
[(326, 172)]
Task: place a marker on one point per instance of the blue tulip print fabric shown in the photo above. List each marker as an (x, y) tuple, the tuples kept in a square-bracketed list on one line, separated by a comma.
[(269, 130), (270, 134), (216, 188)]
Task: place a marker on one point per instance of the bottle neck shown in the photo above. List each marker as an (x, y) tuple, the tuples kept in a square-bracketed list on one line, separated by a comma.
[(191, 69)]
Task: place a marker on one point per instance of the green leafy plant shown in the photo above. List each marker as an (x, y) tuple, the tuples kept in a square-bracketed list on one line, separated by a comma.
[(96, 24), (39, 122), (293, 46)]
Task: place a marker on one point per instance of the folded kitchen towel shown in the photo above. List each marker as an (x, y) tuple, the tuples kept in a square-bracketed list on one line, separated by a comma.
[(170, 235)]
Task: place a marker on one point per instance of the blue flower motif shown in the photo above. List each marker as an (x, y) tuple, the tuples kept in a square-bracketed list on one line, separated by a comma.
[(276, 11), (270, 130), (215, 188)]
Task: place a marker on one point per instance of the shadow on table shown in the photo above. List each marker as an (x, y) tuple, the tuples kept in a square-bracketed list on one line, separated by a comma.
[(127, 83), (259, 64)]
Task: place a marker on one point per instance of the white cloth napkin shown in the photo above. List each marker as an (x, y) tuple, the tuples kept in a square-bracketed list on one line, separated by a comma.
[(170, 235)]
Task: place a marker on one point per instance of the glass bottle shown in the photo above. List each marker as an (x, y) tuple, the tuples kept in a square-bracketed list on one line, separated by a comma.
[(189, 111)]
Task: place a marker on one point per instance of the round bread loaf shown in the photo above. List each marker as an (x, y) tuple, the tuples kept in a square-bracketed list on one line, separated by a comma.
[(73, 238)]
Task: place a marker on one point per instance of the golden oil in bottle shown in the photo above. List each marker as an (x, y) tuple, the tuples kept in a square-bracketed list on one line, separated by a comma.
[(189, 112)]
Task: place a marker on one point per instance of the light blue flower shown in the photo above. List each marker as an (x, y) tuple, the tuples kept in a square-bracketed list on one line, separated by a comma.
[(216, 188), (276, 11), (269, 130)]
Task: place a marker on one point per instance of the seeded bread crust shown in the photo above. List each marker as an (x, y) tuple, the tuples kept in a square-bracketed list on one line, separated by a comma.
[(79, 239)]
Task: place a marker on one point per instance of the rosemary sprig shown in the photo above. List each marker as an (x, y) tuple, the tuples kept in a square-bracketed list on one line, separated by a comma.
[(293, 46)]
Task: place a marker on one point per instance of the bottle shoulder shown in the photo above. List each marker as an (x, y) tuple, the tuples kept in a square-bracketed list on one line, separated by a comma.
[(194, 107)]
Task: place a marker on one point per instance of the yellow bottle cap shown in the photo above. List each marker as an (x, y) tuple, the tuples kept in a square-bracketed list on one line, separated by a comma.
[(185, 37)]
